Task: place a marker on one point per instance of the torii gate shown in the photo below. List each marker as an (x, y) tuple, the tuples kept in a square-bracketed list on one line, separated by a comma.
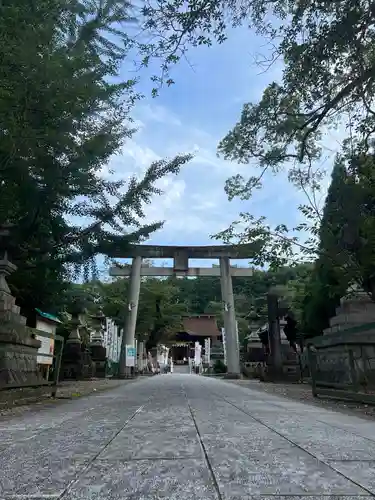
[(181, 256)]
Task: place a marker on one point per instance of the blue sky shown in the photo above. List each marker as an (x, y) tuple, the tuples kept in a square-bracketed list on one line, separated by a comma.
[(192, 116)]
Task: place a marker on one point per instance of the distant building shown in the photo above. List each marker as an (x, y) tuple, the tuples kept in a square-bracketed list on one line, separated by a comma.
[(196, 328)]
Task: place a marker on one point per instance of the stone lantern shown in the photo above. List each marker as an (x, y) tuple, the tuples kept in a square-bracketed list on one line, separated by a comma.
[(98, 350), (76, 359)]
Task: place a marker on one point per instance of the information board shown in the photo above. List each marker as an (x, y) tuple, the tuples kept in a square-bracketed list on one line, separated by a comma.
[(47, 346), (130, 355)]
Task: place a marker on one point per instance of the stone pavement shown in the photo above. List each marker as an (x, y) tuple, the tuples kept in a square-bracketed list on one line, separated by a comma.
[(186, 437)]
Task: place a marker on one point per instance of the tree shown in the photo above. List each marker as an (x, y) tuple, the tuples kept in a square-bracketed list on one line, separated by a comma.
[(159, 308), (334, 269), (346, 254), (63, 113), (319, 302), (163, 302), (348, 228), (328, 81), (161, 311), (199, 293), (329, 68)]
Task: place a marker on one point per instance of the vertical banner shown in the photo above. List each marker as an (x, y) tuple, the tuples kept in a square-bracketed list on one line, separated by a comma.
[(237, 337), (207, 350)]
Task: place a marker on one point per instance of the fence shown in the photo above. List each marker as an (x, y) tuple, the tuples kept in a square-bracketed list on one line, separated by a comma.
[(342, 365), (56, 365)]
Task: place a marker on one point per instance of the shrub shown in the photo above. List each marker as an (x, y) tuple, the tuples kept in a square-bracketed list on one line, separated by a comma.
[(219, 366)]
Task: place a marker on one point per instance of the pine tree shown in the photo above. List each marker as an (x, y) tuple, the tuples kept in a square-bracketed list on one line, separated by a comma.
[(347, 238), (329, 280)]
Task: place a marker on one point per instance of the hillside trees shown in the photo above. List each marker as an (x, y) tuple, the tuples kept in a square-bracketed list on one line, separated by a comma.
[(159, 310), (64, 111), (163, 302)]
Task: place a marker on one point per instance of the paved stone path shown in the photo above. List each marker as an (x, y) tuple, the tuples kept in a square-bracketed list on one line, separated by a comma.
[(186, 437)]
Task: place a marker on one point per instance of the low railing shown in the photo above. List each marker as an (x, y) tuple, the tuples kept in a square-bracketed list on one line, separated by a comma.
[(342, 366), (53, 379)]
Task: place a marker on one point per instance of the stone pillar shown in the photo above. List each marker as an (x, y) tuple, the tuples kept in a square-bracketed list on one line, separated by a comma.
[(274, 333), (131, 318), (233, 356)]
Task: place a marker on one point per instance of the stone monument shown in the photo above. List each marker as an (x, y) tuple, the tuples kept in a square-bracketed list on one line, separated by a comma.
[(18, 345), (348, 356)]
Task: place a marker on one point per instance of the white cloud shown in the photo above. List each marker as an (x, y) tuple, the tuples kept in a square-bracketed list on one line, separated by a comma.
[(194, 204), (163, 207), (148, 113), (142, 156)]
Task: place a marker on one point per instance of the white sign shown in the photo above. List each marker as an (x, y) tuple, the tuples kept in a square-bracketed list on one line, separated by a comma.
[(224, 345), (130, 355)]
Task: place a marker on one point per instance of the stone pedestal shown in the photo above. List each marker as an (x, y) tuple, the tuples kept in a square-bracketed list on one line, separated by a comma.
[(98, 355), (353, 311), (18, 345)]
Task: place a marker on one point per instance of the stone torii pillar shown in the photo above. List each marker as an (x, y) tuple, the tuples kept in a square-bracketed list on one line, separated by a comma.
[(181, 256), (233, 357), (128, 337)]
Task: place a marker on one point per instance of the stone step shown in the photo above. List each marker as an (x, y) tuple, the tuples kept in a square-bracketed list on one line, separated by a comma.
[(356, 307), (332, 329), (352, 319)]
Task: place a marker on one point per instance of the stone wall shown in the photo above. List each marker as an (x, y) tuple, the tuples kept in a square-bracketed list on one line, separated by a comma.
[(347, 357)]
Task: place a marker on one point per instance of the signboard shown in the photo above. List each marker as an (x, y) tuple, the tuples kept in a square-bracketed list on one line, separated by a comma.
[(47, 347), (130, 355)]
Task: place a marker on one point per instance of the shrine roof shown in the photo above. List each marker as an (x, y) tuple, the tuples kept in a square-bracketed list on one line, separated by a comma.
[(204, 325)]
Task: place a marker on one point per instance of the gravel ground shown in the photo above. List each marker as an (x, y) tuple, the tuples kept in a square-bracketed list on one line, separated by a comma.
[(302, 393), (19, 401)]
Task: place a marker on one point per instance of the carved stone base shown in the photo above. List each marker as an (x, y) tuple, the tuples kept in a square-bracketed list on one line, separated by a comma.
[(18, 346), (18, 364)]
